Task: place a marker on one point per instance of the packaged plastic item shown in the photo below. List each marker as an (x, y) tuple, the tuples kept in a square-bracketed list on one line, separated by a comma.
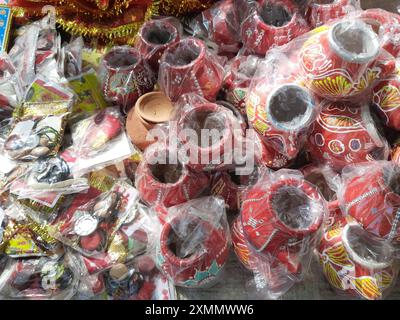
[(99, 141), (155, 37), (345, 133), (370, 196), (89, 227), (194, 242), (219, 25), (189, 67), (70, 59), (125, 76), (11, 91), (356, 263), (282, 217), (40, 278), (271, 23), (161, 180)]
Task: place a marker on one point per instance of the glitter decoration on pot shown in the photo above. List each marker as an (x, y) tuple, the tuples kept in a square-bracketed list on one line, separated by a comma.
[(161, 181), (125, 76), (320, 12), (239, 243), (154, 38), (271, 23), (281, 115), (194, 243), (344, 134), (151, 109), (188, 67), (355, 263), (281, 216), (370, 195), (337, 65)]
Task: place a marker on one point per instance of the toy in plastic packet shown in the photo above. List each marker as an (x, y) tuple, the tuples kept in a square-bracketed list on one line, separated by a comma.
[(134, 237), (88, 228), (40, 278), (282, 217), (194, 241), (356, 263)]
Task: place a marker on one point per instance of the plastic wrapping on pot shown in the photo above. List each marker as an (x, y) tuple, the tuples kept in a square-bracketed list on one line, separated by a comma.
[(355, 263), (39, 124), (155, 36), (99, 141), (125, 76), (282, 217), (135, 237), (40, 278), (189, 67), (88, 227), (280, 109), (271, 23), (219, 26), (210, 136), (193, 245), (238, 76), (319, 12), (162, 179), (369, 194), (346, 134)]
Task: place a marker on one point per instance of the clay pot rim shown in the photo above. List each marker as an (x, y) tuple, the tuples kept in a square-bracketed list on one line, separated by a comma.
[(289, 9), (355, 257), (166, 251), (128, 50), (212, 107), (310, 191), (139, 107), (163, 24), (348, 56), (304, 119), (189, 40)]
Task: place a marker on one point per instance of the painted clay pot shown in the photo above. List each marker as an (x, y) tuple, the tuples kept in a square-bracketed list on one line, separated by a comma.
[(371, 196), (322, 178), (281, 115), (220, 25), (321, 11), (282, 217), (201, 265), (154, 38), (210, 154), (230, 187), (270, 157), (387, 24), (344, 134), (239, 243), (239, 74), (356, 264), (336, 65), (188, 67), (167, 184), (125, 76), (272, 23), (386, 98), (151, 109)]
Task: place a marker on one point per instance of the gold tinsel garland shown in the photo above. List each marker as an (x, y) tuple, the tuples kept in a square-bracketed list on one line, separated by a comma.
[(180, 8)]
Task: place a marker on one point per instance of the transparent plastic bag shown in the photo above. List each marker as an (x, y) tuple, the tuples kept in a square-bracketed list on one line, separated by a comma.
[(11, 91), (99, 141), (282, 218), (89, 227), (193, 245), (189, 67)]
